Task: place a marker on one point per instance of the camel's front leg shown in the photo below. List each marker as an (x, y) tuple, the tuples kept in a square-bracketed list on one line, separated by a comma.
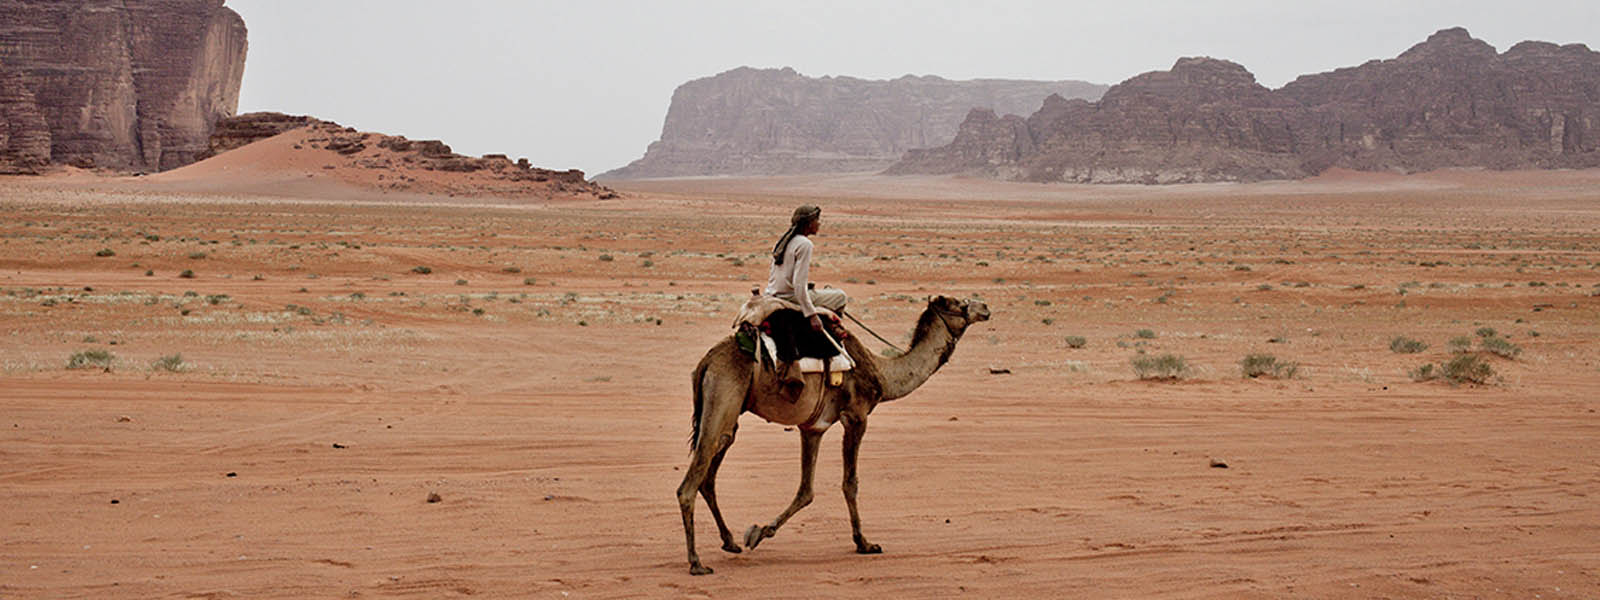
[(854, 429), (708, 489), (809, 444)]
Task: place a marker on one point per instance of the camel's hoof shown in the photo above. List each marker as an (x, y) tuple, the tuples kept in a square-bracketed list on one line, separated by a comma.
[(869, 549), (754, 535), (699, 570), (730, 547)]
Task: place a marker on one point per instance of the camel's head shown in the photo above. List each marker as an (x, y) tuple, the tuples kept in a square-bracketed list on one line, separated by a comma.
[(972, 311)]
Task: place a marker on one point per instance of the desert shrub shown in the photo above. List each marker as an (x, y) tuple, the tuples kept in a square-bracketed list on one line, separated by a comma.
[(187, 274), (215, 299), (90, 359), (1404, 345), (171, 362), (607, 258), (511, 270), (1460, 343), (1076, 341), (197, 255), (461, 282), (1166, 366), (1499, 346), (422, 269), (1145, 334), (105, 252), (1468, 368), (1485, 332), (1267, 365), (1464, 368), (529, 281)]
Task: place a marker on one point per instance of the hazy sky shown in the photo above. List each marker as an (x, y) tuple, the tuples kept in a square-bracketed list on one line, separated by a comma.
[(585, 83)]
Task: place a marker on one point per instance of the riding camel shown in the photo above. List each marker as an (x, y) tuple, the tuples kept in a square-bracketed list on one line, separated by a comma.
[(727, 384)]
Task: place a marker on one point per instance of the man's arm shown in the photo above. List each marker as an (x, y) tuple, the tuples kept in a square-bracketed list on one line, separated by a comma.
[(802, 276)]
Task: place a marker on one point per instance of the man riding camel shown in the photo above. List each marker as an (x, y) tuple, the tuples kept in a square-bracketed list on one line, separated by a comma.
[(790, 276)]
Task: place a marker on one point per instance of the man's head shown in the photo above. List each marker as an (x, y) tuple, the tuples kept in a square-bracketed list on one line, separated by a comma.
[(806, 219)]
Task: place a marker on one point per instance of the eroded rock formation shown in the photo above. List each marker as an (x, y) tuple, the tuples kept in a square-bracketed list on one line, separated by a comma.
[(120, 84), (388, 162), (777, 121), (1450, 101)]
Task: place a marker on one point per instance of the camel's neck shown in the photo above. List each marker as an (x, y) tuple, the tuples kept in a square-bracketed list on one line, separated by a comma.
[(930, 349)]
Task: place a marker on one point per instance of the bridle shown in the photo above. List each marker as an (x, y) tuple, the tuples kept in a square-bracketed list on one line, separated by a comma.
[(944, 313)]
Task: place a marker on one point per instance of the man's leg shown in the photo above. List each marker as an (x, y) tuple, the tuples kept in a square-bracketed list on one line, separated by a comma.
[(832, 299)]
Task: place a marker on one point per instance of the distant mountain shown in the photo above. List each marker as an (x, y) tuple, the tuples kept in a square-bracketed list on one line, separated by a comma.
[(777, 121), (1450, 101)]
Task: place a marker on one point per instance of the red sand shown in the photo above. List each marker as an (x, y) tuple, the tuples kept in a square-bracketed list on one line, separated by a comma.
[(540, 388)]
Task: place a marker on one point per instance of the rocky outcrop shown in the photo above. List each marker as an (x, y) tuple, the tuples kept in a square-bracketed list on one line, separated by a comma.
[(1450, 101), (121, 84), (777, 121), (246, 129), (387, 162)]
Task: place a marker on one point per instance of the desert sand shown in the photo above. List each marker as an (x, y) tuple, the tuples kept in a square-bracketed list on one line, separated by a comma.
[(345, 354)]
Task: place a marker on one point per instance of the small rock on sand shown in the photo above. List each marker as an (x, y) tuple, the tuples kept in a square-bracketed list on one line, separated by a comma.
[(433, 498)]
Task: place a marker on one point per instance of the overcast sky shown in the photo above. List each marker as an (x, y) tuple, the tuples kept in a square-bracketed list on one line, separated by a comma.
[(585, 83)]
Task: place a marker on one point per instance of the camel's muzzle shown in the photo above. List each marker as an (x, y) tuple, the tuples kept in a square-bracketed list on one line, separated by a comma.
[(977, 311)]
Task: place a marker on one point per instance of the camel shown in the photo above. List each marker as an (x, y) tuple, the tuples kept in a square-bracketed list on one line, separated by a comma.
[(724, 386)]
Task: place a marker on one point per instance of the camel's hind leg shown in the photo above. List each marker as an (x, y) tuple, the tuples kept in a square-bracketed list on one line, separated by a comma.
[(718, 420), (809, 443), (854, 429), (708, 489)]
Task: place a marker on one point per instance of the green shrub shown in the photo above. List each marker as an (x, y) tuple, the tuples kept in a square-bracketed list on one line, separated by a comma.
[(607, 258), (1166, 366), (1267, 365), (171, 362), (1404, 345), (1485, 332), (1468, 368), (1464, 368), (422, 269), (1145, 334), (197, 255), (529, 281), (90, 359), (1460, 343), (512, 270), (187, 274), (105, 252), (1076, 341), (1499, 346)]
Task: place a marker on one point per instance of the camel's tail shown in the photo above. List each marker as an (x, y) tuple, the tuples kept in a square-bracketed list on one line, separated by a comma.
[(699, 404)]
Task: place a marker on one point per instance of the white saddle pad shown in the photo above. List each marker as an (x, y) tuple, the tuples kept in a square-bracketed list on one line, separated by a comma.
[(837, 364)]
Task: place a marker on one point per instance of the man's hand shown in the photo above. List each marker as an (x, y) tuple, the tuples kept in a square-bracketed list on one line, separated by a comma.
[(816, 323)]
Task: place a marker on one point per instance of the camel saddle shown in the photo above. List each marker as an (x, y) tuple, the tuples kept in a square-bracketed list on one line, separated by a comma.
[(811, 351), (788, 387)]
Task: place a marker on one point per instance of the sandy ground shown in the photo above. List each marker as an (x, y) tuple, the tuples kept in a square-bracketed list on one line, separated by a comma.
[(535, 378)]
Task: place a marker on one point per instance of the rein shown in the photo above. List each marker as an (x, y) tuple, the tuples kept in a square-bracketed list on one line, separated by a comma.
[(875, 334), (940, 313)]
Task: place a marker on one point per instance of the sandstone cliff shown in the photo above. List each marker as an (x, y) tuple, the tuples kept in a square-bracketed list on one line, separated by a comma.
[(1450, 101), (120, 84), (776, 121)]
